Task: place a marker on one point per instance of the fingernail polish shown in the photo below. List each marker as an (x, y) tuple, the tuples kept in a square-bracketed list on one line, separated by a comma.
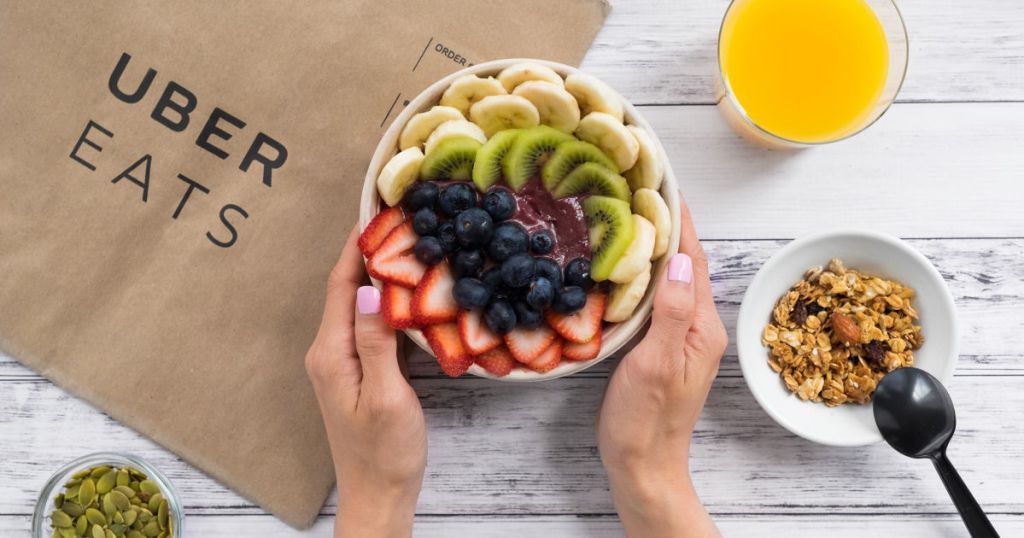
[(680, 268), (368, 300)]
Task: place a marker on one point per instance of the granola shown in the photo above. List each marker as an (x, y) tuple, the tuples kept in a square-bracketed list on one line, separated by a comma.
[(837, 332)]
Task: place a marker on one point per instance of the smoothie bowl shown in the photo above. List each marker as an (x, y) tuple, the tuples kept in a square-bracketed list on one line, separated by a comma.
[(515, 217)]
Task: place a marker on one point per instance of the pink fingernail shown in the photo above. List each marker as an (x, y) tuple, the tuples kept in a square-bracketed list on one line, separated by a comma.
[(680, 268), (368, 300)]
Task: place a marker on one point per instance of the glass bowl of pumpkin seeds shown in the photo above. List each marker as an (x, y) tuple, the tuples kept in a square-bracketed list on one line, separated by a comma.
[(108, 495)]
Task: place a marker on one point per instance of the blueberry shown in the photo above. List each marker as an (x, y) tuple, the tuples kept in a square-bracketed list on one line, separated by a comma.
[(542, 242), (425, 221), (467, 263), (518, 270), (456, 198), (446, 235), (428, 250), (500, 204), (492, 277), (577, 273), (549, 269), (500, 317), (540, 293), (471, 293), (474, 227), (527, 316), (422, 194), (509, 238), (569, 299)]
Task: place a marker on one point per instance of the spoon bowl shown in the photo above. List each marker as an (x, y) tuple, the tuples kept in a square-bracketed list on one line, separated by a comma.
[(914, 412)]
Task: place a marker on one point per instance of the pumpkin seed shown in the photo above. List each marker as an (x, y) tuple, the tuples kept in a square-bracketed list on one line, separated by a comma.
[(98, 532), (135, 534), (154, 502), (67, 532), (108, 507), (119, 500), (58, 501), (151, 529), (72, 492), (95, 516), (106, 482), (73, 509), (99, 471), (161, 514), (149, 487), (81, 524), (123, 478), (60, 519), (87, 493), (130, 517), (82, 474)]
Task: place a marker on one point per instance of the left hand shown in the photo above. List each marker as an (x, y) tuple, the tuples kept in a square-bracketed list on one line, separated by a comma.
[(373, 418)]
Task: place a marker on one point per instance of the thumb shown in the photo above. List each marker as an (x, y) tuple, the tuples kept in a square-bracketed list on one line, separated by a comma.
[(674, 305), (376, 344)]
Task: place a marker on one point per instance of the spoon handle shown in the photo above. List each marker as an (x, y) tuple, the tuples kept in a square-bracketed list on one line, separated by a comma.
[(974, 517)]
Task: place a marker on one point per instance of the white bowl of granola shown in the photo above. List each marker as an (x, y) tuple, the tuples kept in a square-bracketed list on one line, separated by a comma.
[(827, 317)]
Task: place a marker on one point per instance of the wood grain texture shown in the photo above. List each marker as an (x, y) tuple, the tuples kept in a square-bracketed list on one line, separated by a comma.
[(923, 170), (503, 449), (756, 526), (665, 51), (513, 460)]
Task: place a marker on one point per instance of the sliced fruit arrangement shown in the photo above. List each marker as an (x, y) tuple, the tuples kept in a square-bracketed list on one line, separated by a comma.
[(456, 260)]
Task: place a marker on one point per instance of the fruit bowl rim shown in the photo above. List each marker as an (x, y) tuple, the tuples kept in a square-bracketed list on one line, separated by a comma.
[(617, 334)]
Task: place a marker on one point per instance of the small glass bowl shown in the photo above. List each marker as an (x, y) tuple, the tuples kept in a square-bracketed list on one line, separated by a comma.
[(44, 506)]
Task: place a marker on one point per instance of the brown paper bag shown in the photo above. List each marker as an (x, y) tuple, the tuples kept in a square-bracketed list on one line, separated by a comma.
[(176, 181)]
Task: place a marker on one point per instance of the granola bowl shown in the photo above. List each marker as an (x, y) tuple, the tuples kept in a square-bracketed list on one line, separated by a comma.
[(930, 325)]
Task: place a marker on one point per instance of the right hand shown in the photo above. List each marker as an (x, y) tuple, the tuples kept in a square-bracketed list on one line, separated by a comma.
[(654, 398)]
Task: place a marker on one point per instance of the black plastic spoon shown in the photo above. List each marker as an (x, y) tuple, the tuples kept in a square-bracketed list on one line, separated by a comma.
[(915, 415)]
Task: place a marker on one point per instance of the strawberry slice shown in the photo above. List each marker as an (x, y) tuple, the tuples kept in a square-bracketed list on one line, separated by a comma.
[(394, 261), (378, 229), (396, 306), (476, 336), (527, 344), (432, 302), (581, 326), (447, 346), (572, 351), (548, 359), (497, 361)]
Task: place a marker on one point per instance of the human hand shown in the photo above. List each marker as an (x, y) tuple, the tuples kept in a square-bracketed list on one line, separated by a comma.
[(654, 398), (373, 418)]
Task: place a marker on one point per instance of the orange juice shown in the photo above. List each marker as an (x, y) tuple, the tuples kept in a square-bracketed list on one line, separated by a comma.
[(805, 70)]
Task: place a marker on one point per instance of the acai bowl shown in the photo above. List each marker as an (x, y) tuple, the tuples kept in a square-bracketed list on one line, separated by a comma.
[(502, 176)]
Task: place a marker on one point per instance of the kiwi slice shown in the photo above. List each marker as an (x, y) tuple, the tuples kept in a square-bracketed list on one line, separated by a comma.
[(529, 152), (610, 226), (592, 178), (451, 159), (568, 156), (488, 166)]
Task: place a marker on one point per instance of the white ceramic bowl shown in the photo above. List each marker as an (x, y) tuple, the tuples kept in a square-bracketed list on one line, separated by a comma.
[(871, 252), (615, 336)]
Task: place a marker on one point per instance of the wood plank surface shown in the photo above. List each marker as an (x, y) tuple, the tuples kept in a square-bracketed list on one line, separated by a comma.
[(665, 51)]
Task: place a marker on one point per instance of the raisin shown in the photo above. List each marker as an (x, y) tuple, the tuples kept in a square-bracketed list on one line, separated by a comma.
[(875, 350), (799, 313), (814, 308)]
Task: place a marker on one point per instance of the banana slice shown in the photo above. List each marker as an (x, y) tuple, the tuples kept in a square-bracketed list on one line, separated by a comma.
[(514, 75), (624, 298), (594, 95), (421, 125), (452, 128), (649, 169), (469, 89), (401, 171), (650, 205), (556, 106), (638, 253), (609, 134), (500, 112)]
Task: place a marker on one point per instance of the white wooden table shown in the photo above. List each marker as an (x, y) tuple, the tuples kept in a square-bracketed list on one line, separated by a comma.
[(944, 167)]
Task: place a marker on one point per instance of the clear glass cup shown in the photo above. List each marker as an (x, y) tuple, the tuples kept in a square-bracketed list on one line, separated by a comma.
[(896, 38), (44, 506)]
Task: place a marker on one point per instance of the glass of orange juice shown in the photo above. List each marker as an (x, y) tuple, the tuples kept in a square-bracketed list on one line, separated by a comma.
[(798, 73)]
